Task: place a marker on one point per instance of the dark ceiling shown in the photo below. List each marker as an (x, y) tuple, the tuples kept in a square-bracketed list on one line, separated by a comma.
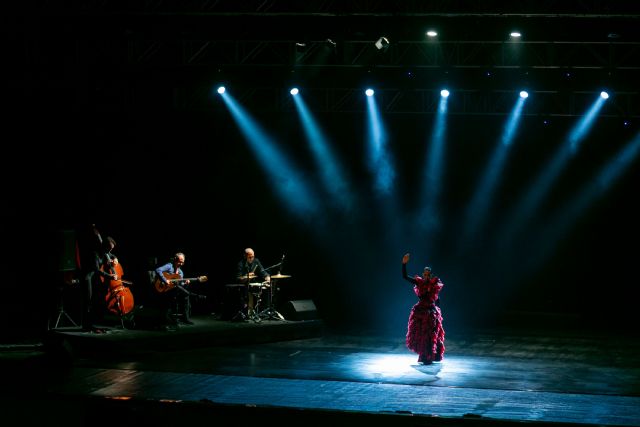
[(570, 50)]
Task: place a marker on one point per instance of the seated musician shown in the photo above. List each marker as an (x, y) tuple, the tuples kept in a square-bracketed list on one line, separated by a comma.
[(250, 270), (176, 302)]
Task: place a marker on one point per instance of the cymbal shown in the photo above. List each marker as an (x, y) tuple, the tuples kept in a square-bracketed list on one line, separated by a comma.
[(251, 276), (280, 276)]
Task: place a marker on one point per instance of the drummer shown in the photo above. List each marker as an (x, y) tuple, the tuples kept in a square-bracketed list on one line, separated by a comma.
[(250, 270)]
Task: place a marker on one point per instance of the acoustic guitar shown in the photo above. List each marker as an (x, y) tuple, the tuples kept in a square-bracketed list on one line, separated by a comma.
[(174, 280)]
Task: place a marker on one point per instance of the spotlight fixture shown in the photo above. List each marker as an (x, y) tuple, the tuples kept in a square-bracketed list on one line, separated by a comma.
[(369, 92), (221, 90), (294, 91), (444, 93), (515, 34), (524, 94), (432, 33), (604, 95), (301, 49), (382, 43)]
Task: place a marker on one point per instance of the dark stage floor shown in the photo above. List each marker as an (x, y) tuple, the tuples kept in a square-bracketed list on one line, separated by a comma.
[(299, 373)]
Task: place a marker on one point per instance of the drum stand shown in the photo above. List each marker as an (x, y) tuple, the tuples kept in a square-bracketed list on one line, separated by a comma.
[(253, 313), (270, 313), (246, 313)]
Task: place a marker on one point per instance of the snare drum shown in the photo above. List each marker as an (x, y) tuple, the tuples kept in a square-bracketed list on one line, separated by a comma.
[(258, 287)]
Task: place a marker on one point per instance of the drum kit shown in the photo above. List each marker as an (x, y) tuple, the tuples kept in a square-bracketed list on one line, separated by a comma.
[(263, 297)]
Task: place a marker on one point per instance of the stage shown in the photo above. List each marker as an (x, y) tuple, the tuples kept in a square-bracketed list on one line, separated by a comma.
[(301, 373)]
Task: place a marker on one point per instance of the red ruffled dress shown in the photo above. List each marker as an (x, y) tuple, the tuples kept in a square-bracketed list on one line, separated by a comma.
[(425, 334)]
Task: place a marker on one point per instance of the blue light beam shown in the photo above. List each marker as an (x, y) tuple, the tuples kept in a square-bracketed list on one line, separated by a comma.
[(478, 209), (429, 215), (378, 157), (328, 165), (556, 228), (532, 199), (287, 181)]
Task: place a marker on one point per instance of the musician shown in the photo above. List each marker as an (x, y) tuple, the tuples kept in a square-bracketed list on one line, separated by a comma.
[(176, 301), (250, 270), (94, 253)]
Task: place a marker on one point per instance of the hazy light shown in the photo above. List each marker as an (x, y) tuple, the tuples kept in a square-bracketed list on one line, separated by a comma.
[(515, 34), (444, 93), (369, 92), (221, 89), (604, 95), (331, 172), (429, 214), (285, 178), (480, 206), (524, 94), (380, 163), (294, 91), (432, 33)]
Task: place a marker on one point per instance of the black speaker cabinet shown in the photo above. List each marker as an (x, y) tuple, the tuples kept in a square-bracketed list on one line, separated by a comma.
[(66, 250), (303, 309)]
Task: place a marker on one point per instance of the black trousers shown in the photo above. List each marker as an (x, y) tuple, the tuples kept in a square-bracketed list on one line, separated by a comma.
[(175, 304)]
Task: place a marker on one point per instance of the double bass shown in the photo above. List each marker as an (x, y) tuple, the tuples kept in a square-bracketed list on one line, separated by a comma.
[(119, 298)]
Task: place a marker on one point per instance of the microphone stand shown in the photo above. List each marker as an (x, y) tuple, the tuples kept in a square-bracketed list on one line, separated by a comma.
[(273, 266)]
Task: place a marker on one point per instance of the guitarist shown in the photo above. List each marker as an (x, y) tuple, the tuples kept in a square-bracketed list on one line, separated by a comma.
[(176, 301)]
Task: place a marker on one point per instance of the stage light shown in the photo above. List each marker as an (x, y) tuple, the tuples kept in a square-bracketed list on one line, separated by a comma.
[(221, 90), (369, 92), (432, 33), (515, 34), (524, 94), (382, 43), (294, 91), (604, 95), (444, 93)]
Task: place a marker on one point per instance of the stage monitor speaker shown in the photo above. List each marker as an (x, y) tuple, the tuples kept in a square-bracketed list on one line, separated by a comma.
[(303, 309), (66, 250)]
